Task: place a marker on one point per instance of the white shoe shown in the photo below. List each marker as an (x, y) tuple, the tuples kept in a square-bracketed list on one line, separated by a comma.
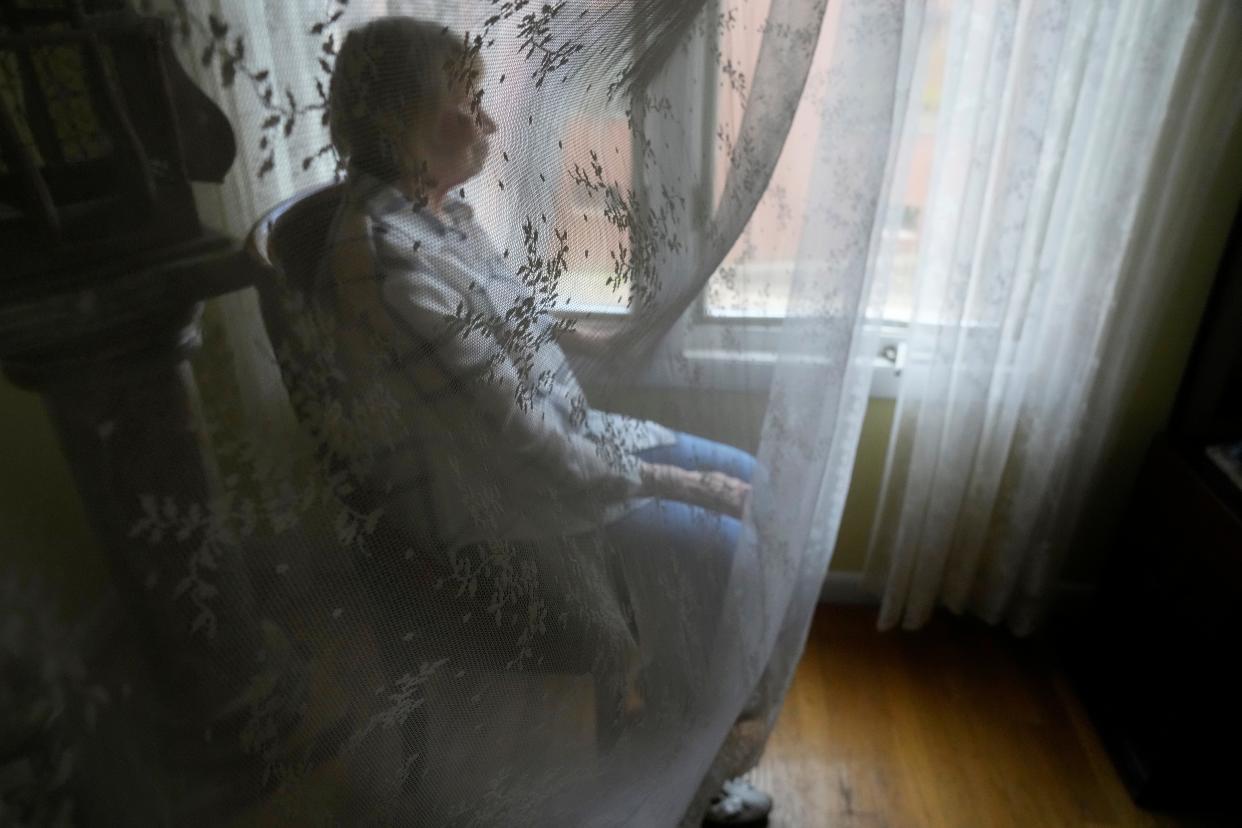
[(738, 803)]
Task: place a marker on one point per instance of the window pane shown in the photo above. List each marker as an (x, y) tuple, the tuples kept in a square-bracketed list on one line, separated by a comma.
[(755, 278), (582, 202)]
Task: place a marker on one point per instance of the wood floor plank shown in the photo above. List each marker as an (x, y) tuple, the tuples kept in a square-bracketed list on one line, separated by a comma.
[(957, 725)]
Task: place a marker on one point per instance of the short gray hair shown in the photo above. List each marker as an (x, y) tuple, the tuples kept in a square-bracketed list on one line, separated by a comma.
[(391, 66)]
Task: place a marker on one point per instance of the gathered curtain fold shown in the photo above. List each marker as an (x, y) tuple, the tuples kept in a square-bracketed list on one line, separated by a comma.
[(1072, 148)]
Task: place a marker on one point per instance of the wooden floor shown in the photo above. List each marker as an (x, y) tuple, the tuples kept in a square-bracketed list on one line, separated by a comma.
[(956, 725)]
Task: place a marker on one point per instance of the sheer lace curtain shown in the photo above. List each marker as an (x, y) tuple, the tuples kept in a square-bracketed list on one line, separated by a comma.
[(354, 668), (1067, 146)]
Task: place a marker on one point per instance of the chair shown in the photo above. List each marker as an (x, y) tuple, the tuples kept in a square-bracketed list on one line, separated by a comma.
[(288, 247)]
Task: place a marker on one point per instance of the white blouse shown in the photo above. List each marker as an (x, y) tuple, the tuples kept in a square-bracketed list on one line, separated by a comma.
[(504, 444)]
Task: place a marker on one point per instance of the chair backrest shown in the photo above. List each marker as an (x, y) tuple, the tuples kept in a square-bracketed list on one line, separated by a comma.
[(289, 246), (292, 238), (308, 261)]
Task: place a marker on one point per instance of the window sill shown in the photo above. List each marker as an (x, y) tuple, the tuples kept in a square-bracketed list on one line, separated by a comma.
[(729, 360), (752, 371)]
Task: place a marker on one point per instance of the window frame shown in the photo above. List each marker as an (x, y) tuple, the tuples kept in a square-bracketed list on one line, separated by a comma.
[(735, 353)]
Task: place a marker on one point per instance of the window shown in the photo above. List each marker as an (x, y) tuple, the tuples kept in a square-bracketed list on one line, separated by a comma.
[(753, 283), (598, 128)]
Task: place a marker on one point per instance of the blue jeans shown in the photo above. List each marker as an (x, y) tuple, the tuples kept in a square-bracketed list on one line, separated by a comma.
[(692, 530), (681, 556)]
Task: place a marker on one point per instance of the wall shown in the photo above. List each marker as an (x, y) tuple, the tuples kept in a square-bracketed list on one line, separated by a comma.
[(43, 527), (1149, 401)]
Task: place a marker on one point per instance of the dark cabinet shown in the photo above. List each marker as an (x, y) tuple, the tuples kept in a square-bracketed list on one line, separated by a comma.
[(1158, 660), (1158, 657)]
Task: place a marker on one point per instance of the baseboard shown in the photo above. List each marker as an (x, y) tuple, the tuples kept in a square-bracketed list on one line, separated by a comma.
[(848, 588)]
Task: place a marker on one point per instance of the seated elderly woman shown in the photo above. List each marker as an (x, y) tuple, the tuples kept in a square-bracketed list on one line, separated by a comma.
[(509, 448)]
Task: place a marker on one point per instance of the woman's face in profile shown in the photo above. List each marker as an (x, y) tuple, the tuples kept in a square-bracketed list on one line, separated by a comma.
[(461, 141)]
